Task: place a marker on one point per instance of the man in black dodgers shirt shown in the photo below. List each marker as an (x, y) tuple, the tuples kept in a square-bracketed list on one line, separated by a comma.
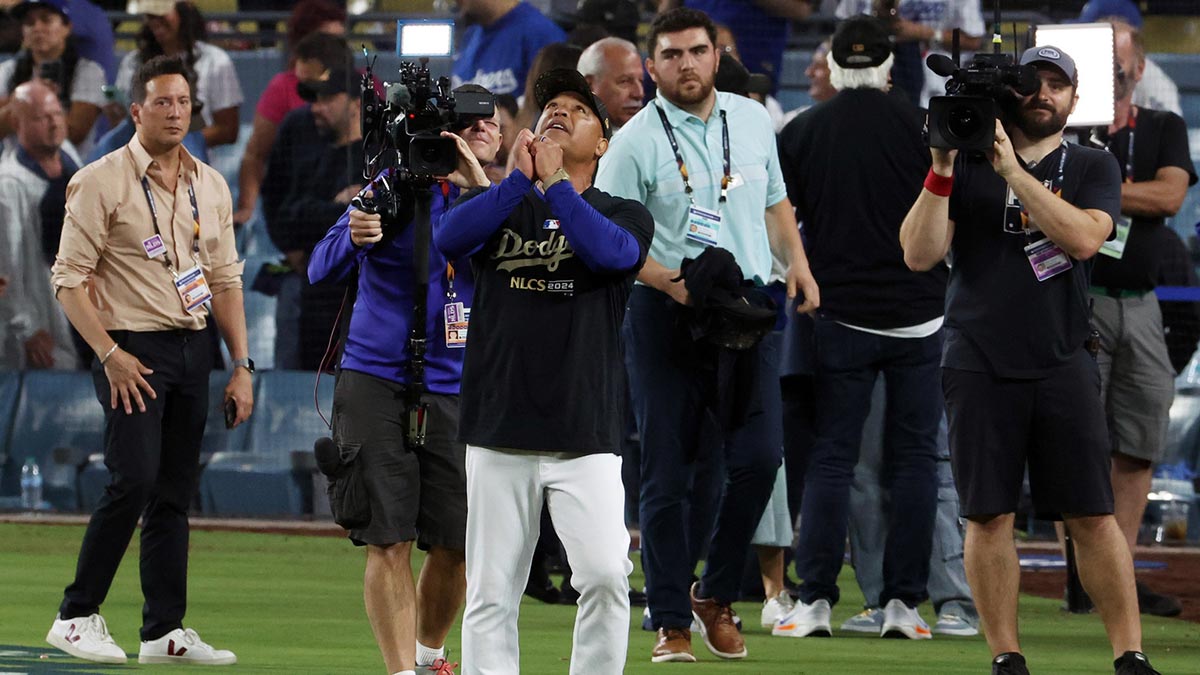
[(1021, 389), (543, 382)]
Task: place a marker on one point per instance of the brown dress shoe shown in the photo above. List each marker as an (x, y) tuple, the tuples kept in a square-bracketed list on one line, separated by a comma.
[(716, 626), (674, 644)]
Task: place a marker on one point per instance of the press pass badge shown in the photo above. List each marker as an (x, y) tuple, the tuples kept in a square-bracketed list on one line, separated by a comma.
[(154, 246), (703, 225), (1047, 259), (193, 288), (457, 317), (1116, 247)]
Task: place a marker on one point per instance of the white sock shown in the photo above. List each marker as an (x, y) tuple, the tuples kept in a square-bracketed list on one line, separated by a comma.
[(406, 672), (426, 656)]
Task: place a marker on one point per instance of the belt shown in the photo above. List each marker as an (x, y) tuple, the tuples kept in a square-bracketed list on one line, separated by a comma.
[(1116, 292)]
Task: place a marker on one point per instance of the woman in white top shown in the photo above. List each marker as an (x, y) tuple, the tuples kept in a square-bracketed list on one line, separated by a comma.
[(50, 55), (178, 28)]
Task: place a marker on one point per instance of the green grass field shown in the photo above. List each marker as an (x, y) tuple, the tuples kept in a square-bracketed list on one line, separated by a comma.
[(291, 604)]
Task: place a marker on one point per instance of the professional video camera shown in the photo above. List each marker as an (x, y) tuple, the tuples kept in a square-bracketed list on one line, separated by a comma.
[(965, 118), (402, 132)]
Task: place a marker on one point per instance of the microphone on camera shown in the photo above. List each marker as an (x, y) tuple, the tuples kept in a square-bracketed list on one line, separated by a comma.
[(329, 460), (941, 64)]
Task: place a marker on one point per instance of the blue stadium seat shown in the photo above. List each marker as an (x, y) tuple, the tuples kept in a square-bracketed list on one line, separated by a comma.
[(254, 484), (285, 418), (217, 439), (264, 482), (260, 317), (10, 388), (57, 409)]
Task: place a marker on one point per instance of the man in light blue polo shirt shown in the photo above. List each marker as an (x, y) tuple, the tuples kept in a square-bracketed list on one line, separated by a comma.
[(706, 167)]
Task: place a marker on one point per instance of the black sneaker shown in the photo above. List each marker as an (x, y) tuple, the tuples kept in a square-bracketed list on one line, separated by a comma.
[(1134, 663), (1157, 604), (1009, 663)]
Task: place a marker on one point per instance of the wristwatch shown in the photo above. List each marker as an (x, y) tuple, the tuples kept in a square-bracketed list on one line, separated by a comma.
[(555, 177), (247, 363)]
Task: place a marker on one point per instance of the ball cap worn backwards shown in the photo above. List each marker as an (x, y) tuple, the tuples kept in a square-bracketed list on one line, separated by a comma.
[(861, 42)]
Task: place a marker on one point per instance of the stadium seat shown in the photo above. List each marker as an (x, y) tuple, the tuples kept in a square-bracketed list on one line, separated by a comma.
[(268, 481), (56, 409), (10, 459), (217, 439), (260, 317)]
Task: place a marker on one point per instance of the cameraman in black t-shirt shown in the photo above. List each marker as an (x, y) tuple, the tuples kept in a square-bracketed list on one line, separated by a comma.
[(1137, 377), (1021, 389)]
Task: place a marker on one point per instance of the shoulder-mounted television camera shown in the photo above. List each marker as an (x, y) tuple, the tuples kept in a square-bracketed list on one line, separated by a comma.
[(965, 118), (402, 132)]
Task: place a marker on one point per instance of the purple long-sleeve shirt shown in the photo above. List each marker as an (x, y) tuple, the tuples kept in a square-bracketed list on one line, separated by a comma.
[(377, 343)]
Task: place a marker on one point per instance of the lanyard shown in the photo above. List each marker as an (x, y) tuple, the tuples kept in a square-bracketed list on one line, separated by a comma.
[(725, 164), (1057, 183), (1132, 126), (195, 224)]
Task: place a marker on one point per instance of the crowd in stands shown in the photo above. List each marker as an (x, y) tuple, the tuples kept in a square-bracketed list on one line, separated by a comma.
[(703, 483)]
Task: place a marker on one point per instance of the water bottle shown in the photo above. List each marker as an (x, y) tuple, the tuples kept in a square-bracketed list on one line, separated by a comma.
[(31, 485)]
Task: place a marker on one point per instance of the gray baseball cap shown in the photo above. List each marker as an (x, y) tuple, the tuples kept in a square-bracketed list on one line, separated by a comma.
[(1052, 56)]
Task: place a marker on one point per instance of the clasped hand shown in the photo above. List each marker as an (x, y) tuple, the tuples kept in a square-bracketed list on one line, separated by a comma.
[(537, 158)]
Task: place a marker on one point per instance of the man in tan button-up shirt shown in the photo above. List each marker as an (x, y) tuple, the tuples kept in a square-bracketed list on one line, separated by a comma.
[(147, 249)]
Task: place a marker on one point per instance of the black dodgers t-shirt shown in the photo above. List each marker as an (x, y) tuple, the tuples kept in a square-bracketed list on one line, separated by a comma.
[(999, 317), (1159, 139), (853, 166), (543, 367)]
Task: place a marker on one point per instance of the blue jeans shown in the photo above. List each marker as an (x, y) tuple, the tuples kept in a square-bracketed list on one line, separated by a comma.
[(847, 364), (670, 405), (869, 508)]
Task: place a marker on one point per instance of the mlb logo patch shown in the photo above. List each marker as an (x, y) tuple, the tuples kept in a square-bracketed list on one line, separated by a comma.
[(550, 224)]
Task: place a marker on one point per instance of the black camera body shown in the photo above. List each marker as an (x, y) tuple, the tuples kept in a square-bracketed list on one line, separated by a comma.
[(965, 118), (402, 131)]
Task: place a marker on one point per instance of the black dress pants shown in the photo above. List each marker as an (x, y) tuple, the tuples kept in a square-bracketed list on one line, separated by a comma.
[(154, 461)]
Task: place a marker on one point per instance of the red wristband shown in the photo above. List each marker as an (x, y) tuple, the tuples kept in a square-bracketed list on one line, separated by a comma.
[(939, 185)]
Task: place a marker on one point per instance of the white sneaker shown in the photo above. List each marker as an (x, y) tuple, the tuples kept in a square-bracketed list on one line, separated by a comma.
[(85, 638), (902, 621), (183, 645), (805, 620), (776, 607), (866, 621), (949, 623)]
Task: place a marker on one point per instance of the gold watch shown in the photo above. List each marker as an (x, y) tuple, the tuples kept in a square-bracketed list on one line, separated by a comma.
[(555, 177)]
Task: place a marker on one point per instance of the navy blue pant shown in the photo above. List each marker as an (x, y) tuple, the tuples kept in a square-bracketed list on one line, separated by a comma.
[(668, 393), (847, 363), (154, 459)]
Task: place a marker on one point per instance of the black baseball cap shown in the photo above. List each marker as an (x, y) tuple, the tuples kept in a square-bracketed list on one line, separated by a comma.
[(1052, 56), (57, 6), (333, 81), (565, 80), (861, 42)]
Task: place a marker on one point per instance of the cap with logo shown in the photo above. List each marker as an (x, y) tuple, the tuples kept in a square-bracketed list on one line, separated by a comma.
[(1052, 56), (564, 80), (57, 6), (861, 42), (151, 7), (332, 81)]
